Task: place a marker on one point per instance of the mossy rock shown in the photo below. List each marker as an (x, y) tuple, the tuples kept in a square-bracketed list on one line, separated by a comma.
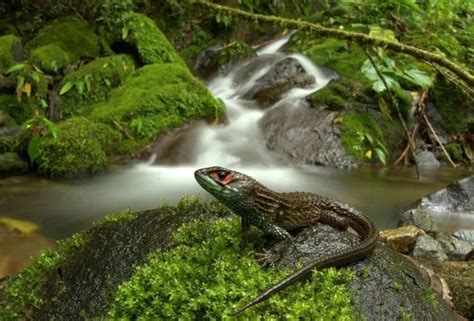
[(150, 42), (155, 99), (11, 164), (8, 48), (91, 83), (13, 139), (80, 148), (65, 41)]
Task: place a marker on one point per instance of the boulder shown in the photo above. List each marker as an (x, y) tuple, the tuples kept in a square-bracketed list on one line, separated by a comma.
[(198, 266), (12, 164), (302, 135), (283, 76), (13, 139), (401, 239), (455, 249), (426, 159), (419, 218), (427, 247), (465, 235)]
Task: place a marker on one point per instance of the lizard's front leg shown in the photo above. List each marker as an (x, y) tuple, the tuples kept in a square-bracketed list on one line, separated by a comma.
[(269, 257)]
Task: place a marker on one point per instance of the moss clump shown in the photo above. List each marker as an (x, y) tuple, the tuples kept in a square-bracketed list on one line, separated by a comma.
[(354, 128), (11, 163), (201, 41), (22, 292), (210, 272), (13, 140), (71, 35), (91, 83), (151, 43), (153, 100), (7, 57), (80, 148), (50, 58)]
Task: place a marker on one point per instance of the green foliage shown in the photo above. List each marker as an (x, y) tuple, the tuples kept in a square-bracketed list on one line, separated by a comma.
[(37, 125), (153, 47), (80, 148), (154, 99), (7, 58), (92, 83), (234, 51), (126, 215), (11, 163), (362, 137), (67, 40), (210, 272), (21, 292), (111, 14)]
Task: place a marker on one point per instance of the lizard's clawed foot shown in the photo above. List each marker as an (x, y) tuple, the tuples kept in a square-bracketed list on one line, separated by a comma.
[(267, 257)]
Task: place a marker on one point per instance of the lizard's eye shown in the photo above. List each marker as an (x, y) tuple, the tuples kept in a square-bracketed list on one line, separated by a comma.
[(222, 176)]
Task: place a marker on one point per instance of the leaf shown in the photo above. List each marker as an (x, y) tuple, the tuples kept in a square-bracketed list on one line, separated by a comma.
[(27, 89), (24, 227), (35, 76), (369, 138), (33, 148), (368, 154), (28, 123), (80, 85), (51, 127), (14, 68), (67, 86), (381, 156), (43, 103), (108, 82), (385, 34), (19, 83), (418, 77), (125, 32)]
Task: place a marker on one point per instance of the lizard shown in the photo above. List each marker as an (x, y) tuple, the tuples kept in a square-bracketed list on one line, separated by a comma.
[(277, 213)]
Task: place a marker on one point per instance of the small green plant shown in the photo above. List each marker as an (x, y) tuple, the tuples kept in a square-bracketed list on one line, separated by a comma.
[(81, 86), (39, 127)]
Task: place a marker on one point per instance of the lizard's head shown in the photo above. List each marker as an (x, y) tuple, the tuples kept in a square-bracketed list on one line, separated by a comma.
[(224, 184)]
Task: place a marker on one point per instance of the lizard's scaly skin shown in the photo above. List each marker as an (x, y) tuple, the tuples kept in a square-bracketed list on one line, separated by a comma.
[(277, 213)]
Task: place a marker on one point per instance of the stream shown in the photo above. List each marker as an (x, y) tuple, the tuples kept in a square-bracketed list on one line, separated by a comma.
[(62, 207)]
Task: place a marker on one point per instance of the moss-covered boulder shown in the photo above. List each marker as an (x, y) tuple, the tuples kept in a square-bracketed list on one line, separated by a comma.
[(9, 55), (199, 267), (151, 44), (13, 139), (91, 83), (80, 148), (11, 164), (63, 42), (153, 100)]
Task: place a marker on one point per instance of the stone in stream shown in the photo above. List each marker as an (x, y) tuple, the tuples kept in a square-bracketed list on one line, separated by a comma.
[(401, 239), (426, 159), (419, 218), (455, 249), (465, 235), (427, 247), (81, 280)]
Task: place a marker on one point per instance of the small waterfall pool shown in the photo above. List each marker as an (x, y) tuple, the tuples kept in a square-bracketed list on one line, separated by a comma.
[(62, 206)]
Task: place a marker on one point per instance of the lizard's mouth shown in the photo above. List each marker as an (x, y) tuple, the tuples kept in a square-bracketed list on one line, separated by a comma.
[(207, 182)]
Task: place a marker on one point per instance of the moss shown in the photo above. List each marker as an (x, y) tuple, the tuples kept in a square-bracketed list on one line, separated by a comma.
[(210, 272), (354, 128), (124, 216), (69, 34), (22, 292), (14, 140), (80, 148), (50, 58), (234, 51), (7, 57), (201, 40), (151, 43), (455, 150), (92, 82), (11, 163), (154, 99)]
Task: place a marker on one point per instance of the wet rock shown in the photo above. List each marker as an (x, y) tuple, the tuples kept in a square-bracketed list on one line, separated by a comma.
[(465, 235), (401, 239), (283, 76), (11, 164), (427, 247), (302, 135), (455, 249), (420, 218), (426, 159)]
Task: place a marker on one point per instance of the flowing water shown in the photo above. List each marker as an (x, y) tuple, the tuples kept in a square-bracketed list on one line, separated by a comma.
[(62, 207)]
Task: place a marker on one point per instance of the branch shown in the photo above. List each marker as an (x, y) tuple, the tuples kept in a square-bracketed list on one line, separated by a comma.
[(358, 37)]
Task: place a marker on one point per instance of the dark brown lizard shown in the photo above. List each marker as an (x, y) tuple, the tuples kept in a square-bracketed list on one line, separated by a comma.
[(277, 213)]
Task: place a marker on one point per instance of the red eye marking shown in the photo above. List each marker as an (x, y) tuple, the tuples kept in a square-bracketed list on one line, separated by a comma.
[(222, 176)]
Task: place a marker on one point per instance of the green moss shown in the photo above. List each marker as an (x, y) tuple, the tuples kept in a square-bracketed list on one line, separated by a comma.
[(431, 297), (71, 35), (80, 148), (154, 99), (354, 128), (7, 58), (211, 271), (11, 163), (92, 82), (50, 58), (22, 292), (16, 142), (126, 215), (236, 50), (201, 41), (455, 151), (151, 43)]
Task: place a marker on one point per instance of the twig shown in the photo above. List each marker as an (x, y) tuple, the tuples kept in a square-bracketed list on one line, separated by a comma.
[(123, 130), (395, 104), (408, 146)]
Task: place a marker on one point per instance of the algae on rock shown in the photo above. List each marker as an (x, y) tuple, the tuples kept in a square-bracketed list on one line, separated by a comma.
[(7, 52)]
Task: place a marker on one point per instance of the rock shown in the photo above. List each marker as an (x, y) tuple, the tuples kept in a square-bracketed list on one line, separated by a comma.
[(426, 159), (465, 235), (427, 247), (283, 76), (420, 218), (11, 52), (13, 139), (11, 164), (83, 281), (302, 135), (401, 239), (456, 249)]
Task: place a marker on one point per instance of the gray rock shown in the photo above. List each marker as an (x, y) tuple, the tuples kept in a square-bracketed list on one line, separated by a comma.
[(427, 247), (465, 235), (420, 218), (303, 135), (455, 249), (426, 159)]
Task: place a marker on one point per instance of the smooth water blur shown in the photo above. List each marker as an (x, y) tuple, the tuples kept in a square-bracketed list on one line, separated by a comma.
[(62, 207)]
